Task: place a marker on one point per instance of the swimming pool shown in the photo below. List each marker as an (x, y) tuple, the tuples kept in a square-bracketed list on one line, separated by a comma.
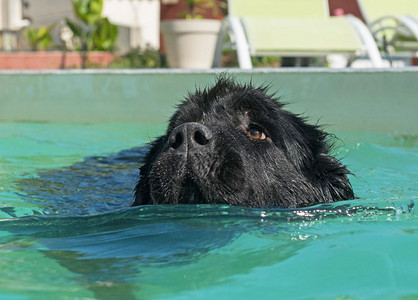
[(66, 230)]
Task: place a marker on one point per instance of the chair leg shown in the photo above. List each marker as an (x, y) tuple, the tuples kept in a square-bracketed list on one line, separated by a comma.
[(243, 49), (220, 44), (368, 41)]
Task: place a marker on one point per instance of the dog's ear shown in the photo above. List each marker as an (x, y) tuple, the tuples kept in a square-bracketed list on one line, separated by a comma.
[(308, 146), (327, 171), (142, 189), (333, 178)]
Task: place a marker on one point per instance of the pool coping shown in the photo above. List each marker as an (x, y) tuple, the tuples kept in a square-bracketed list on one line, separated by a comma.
[(214, 71)]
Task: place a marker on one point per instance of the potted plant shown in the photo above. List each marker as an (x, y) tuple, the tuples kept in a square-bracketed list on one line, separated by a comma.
[(39, 38), (92, 32), (190, 42)]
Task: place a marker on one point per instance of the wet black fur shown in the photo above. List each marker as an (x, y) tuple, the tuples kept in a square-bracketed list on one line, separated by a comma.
[(291, 168)]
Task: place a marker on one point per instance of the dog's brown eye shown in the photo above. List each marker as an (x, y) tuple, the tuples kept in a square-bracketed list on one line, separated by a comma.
[(256, 133)]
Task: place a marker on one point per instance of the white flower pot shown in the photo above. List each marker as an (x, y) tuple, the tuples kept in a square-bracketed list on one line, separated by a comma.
[(190, 43)]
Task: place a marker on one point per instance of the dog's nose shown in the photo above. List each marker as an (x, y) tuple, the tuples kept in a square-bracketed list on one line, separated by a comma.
[(188, 136)]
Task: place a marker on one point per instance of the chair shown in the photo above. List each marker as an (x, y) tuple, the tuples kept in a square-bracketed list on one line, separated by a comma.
[(293, 28), (394, 24)]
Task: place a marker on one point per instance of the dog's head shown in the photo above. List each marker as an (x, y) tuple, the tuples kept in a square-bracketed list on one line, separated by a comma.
[(235, 144)]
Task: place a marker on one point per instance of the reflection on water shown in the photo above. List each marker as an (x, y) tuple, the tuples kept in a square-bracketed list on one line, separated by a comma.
[(97, 184), (162, 250)]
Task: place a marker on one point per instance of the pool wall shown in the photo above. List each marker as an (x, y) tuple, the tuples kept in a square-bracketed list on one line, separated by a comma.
[(368, 100)]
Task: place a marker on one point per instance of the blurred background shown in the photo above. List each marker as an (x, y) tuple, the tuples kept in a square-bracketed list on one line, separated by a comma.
[(62, 34)]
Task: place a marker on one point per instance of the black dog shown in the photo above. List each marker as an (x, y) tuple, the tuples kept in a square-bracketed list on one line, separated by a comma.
[(234, 144)]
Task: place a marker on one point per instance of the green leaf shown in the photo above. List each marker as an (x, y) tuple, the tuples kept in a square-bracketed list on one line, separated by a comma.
[(39, 38), (75, 28), (88, 11), (92, 31), (105, 35)]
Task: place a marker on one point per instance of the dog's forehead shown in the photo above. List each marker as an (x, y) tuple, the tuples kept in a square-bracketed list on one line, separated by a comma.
[(234, 106), (239, 99), (228, 103)]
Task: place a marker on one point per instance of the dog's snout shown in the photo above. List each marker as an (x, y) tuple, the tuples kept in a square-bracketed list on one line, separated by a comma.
[(188, 136)]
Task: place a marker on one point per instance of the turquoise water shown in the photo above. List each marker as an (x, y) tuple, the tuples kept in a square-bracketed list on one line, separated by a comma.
[(67, 232)]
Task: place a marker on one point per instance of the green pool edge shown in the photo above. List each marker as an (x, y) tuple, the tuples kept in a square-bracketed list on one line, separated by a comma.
[(369, 100)]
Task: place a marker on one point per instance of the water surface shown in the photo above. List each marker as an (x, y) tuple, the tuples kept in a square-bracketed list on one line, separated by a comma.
[(66, 230)]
